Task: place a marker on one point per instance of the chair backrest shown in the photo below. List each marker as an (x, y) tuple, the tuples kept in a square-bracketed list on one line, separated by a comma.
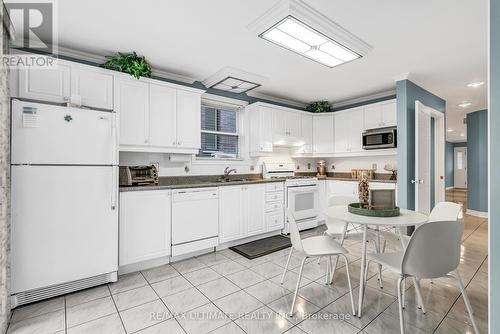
[(335, 225), (294, 231), (434, 249), (445, 211)]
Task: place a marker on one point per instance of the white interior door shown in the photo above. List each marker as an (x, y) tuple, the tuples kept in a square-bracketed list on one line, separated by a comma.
[(422, 179), (460, 167)]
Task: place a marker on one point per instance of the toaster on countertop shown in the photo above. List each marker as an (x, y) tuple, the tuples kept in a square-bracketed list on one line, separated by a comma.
[(138, 175)]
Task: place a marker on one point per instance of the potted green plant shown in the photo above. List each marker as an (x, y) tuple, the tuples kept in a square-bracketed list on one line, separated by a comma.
[(319, 106), (129, 63)]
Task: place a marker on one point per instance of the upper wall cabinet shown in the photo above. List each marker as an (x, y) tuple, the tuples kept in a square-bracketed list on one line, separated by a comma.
[(93, 85), (323, 133), (260, 120), (306, 125), (286, 123), (380, 115), (348, 130), (157, 117)]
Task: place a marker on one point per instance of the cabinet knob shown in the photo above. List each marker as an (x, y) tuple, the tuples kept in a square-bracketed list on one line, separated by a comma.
[(173, 143), (145, 141)]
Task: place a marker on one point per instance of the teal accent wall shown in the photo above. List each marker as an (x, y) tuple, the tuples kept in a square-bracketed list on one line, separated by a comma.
[(449, 175), (477, 161), (407, 93), (461, 144), (494, 162)]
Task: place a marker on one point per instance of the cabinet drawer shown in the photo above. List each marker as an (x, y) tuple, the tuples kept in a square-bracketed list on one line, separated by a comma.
[(275, 221), (274, 206), (274, 186), (274, 196)]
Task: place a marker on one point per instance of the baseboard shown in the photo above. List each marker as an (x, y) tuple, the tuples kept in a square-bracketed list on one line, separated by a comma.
[(481, 214), (143, 265), (449, 188)]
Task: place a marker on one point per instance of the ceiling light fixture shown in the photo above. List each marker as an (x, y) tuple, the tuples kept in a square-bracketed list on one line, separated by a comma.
[(464, 104), (234, 85), (296, 36), (475, 84), (462, 135), (450, 130)]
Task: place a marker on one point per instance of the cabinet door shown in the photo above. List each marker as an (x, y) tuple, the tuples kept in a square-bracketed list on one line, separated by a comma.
[(162, 116), (145, 226), (342, 132), (373, 117), (389, 114), (342, 188), (307, 133), (93, 85), (255, 209), (355, 130), (132, 106), (279, 121), (188, 119), (51, 85), (230, 213), (323, 134), (293, 124)]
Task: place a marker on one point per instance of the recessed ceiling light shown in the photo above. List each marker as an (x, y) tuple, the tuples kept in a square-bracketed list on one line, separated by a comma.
[(297, 36), (462, 135), (465, 104), (234, 85), (475, 84), (450, 130)]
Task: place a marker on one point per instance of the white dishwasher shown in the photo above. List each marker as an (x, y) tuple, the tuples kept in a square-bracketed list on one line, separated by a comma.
[(195, 220)]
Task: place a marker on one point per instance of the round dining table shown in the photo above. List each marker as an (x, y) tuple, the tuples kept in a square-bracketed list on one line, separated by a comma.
[(405, 219)]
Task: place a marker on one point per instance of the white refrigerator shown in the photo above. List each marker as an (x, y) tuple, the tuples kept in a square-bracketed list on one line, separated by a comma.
[(64, 188)]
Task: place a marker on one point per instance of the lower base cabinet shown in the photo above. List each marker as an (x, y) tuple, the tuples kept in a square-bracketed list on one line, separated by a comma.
[(145, 224), (242, 212)]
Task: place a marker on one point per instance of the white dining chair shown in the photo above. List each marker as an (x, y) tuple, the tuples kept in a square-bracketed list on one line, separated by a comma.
[(341, 231), (316, 246), (443, 211), (433, 251)]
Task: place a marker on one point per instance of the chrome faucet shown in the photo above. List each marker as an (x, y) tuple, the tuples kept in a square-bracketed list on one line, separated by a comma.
[(228, 171)]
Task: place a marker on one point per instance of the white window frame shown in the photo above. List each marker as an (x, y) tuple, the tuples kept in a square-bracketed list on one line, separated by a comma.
[(239, 105)]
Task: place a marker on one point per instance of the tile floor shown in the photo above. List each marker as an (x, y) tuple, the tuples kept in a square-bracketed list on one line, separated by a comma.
[(223, 292)]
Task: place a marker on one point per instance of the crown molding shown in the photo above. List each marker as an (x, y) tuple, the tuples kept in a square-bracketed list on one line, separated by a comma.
[(402, 76), (364, 98), (315, 19), (272, 98)]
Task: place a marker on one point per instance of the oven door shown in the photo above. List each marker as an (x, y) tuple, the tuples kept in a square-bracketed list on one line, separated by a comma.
[(303, 202)]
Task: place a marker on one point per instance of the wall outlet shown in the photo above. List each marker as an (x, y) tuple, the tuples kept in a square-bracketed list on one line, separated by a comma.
[(298, 167), (308, 165), (186, 168), (333, 167), (252, 167)]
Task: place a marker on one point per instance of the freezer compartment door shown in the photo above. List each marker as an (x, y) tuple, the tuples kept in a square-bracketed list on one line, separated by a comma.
[(48, 134), (63, 225)]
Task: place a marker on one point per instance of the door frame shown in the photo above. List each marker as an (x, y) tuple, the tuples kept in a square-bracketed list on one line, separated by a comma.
[(439, 150), (455, 149)]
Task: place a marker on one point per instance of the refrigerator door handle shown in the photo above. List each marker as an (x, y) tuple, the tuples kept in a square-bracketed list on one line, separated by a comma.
[(114, 139), (113, 187)]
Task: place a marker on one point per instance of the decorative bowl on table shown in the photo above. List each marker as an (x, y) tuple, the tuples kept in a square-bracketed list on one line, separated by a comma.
[(370, 211)]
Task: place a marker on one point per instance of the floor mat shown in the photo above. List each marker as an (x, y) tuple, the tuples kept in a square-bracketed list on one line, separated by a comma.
[(261, 247)]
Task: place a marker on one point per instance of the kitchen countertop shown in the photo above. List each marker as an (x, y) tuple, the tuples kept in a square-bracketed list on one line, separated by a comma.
[(355, 180), (195, 184)]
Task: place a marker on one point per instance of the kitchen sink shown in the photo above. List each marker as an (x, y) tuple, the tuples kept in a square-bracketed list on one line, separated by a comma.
[(231, 180)]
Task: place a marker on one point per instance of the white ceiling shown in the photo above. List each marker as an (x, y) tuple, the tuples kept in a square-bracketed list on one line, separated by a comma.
[(442, 44)]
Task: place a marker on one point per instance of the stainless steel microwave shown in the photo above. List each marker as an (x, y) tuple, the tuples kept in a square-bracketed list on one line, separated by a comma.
[(380, 138)]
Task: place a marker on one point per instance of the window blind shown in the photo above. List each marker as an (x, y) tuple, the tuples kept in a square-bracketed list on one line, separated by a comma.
[(219, 132)]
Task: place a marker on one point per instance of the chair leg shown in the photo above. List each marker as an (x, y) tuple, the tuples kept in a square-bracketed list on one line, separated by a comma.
[(377, 248), (400, 304), (297, 287), (403, 294), (286, 266), (466, 300), (418, 290), (337, 257), (328, 268), (349, 283)]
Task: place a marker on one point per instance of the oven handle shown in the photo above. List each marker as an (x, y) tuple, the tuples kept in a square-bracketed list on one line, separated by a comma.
[(302, 189)]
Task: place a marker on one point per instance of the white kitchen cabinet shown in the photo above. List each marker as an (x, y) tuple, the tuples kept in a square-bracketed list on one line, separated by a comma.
[(254, 198), (260, 120), (132, 105), (342, 188), (286, 123), (231, 219), (380, 115), (293, 124), (348, 130), (162, 116), (188, 119), (145, 223), (94, 86), (323, 134), (51, 85), (279, 122), (306, 127)]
